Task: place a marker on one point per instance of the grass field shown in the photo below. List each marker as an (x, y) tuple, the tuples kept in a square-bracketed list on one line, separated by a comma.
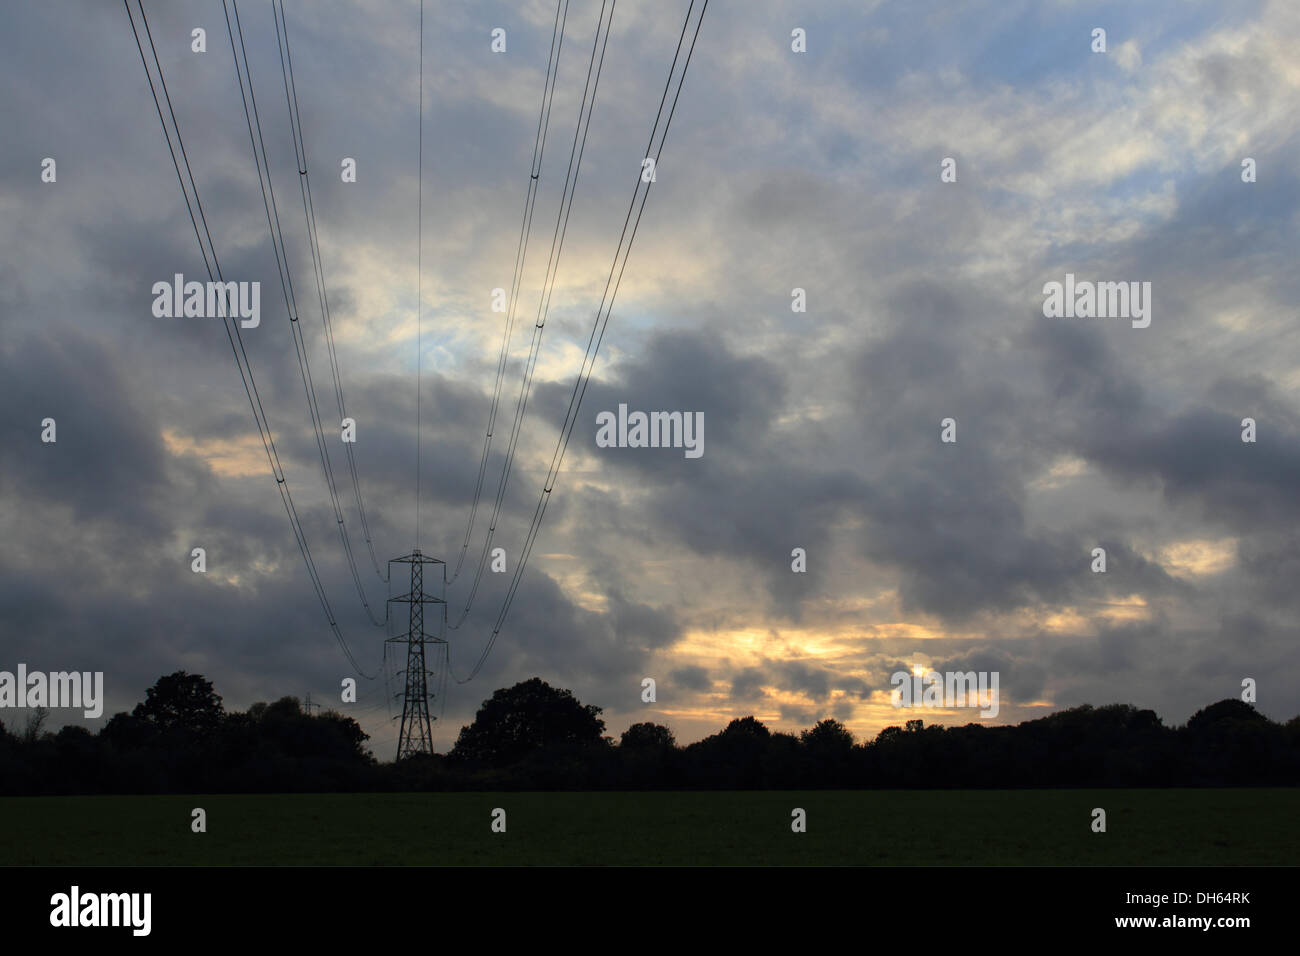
[(873, 828)]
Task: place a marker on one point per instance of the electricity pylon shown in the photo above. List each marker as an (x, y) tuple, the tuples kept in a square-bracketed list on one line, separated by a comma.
[(416, 734)]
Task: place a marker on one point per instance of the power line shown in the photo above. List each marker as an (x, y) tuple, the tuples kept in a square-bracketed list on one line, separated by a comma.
[(419, 282), (309, 210), (548, 284), (521, 254), (213, 269), (601, 322), (262, 163), (286, 279)]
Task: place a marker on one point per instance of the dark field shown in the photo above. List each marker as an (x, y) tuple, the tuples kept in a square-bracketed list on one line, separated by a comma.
[(873, 828)]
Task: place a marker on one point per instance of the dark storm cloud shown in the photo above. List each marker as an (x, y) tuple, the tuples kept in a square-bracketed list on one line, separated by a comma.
[(1018, 680), (681, 370), (741, 498), (1195, 453), (691, 678), (796, 714), (106, 462), (952, 516), (747, 684), (809, 679)]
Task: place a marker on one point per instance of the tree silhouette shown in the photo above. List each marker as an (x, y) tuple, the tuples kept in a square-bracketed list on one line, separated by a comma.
[(648, 756), (181, 701), (648, 736), (828, 749), (828, 737), (733, 757), (1223, 711), (526, 718), (35, 724), (1231, 738), (746, 729)]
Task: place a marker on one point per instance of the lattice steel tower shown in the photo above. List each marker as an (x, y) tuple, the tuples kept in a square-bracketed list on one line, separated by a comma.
[(416, 735)]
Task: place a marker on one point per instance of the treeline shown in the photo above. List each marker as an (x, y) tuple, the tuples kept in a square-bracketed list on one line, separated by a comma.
[(181, 740), (536, 737)]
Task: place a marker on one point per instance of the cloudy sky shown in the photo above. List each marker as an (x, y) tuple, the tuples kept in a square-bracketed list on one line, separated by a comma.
[(817, 170)]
